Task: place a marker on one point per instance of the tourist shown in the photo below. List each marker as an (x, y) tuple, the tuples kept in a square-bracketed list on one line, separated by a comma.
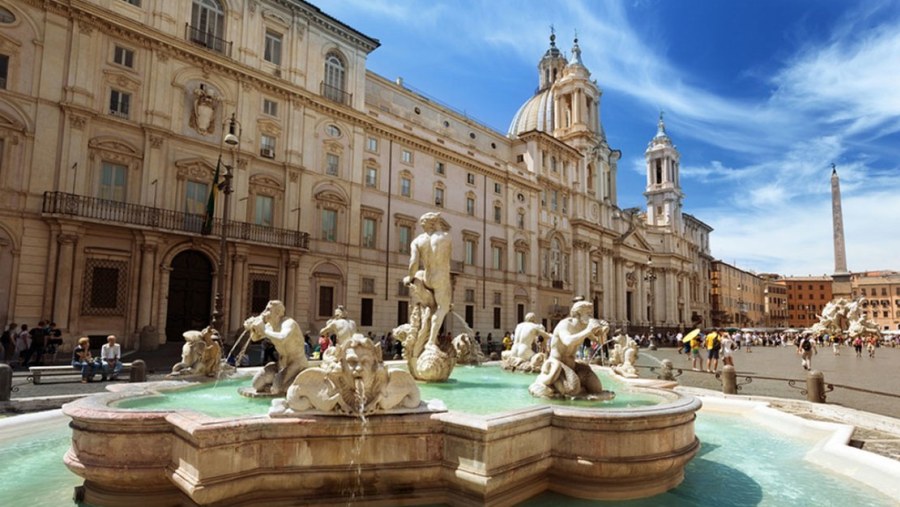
[(324, 343), (727, 350), (748, 341), (696, 362), (23, 344), (82, 359), (713, 344), (806, 348), (836, 345), (507, 341), (111, 358), (36, 349), (857, 345), (8, 343), (870, 346)]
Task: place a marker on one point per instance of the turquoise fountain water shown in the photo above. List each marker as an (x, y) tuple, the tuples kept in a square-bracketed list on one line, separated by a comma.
[(740, 464), (472, 389)]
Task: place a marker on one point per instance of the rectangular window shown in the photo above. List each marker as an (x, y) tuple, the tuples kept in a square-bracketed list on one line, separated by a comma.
[(470, 206), (470, 315), (332, 162), (470, 252), (119, 103), (405, 187), (402, 312), (470, 178), (196, 195), (554, 200), (267, 146), (260, 294), (497, 319), (104, 289), (123, 56), (470, 295), (4, 70), (498, 298), (326, 301), (368, 232), (520, 262), (366, 311), (368, 286), (263, 212), (439, 197), (440, 168), (498, 188), (498, 214), (371, 177), (104, 279), (406, 156), (372, 144), (404, 234), (272, 52), (329, 225), (113, 180), (270, 107), (497, 257)]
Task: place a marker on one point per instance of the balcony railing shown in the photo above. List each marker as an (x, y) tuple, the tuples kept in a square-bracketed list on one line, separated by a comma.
[(104, 210), (336, 94), (207, 40)]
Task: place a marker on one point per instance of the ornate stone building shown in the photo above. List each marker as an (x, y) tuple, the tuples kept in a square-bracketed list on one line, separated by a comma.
[(112, 116)]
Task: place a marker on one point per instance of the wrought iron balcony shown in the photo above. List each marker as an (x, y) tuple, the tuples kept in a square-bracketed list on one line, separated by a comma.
[(207, 40), (335, 94), (61, 204)]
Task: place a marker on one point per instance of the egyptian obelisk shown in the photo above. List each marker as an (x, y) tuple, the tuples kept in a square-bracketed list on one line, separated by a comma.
[(840, 280)]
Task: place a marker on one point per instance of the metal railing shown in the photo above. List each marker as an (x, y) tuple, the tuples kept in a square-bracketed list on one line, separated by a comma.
[(335, 94), (207, 40), (105, 210)]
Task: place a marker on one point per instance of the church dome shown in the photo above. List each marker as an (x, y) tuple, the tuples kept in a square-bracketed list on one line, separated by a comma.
[(535, 114)]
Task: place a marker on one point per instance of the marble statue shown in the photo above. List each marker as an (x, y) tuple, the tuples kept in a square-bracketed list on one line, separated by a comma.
[(627, 369), (617, 352), (668, 370), (201, 354), (339, 325), (287, 337), (840, 315), (430, 288), (521, 357), (563, 376), (360, 386), (203, 111), (467, 350)]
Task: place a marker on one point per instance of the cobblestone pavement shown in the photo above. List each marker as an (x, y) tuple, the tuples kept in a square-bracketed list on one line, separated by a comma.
[(881, 373)]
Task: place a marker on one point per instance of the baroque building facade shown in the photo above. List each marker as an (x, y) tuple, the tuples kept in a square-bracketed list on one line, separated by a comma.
[(112, 116)]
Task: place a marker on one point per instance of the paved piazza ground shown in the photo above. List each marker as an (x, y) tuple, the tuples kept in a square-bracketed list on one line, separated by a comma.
[(881, 373)]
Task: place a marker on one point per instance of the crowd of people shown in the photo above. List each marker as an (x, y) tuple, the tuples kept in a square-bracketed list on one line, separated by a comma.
[(21, 346)]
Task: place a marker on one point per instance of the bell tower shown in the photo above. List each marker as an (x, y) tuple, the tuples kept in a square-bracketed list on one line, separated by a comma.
[(663, 193)]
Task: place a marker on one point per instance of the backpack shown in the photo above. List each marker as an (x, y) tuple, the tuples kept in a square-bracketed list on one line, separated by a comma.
[(717, 342), (806, 345)]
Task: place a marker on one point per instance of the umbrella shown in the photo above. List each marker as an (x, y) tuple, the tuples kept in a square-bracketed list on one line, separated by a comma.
[(690, 336)]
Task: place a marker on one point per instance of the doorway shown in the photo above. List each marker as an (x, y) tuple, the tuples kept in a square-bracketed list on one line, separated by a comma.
[(190, 292)]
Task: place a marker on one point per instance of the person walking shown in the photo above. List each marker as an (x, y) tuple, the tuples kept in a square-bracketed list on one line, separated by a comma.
[(727, 350), (713, 344), (857, 345), (23, 346), (696, 362), (806, 348), (836, 345)]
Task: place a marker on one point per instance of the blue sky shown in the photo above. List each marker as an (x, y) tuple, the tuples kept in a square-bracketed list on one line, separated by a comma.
[(760, 97)]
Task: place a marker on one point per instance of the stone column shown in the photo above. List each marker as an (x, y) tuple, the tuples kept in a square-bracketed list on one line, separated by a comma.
[(65, 267), (236, 308), (145, 297)]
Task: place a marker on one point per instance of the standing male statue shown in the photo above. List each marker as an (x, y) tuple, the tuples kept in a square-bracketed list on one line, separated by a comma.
[(286, 336), (431, 250)]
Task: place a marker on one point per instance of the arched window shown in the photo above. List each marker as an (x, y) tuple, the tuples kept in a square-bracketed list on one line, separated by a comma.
[(335, 74), (208, 24), (555, 260)]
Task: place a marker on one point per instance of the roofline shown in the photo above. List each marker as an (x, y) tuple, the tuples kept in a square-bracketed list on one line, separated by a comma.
[(364, 41)]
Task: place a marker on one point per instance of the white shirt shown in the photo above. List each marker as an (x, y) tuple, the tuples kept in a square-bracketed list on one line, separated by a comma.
[(114, 352)]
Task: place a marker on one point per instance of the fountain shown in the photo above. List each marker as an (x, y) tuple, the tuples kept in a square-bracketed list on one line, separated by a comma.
[(521, 357), (200, 355), (352, 424)]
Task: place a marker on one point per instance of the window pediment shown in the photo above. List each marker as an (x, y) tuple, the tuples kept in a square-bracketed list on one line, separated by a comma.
[(121, 80), (470, 235), (114, 150), (369, 212), (269, 127), (333, 147), (276, 18), (407, 220), (521, 244), (194, 169)]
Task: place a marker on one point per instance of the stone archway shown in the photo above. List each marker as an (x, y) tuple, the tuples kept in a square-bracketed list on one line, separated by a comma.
[(190, 293)]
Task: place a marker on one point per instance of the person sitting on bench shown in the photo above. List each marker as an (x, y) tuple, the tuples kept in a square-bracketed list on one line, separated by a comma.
[(82, 359), (111, 358)]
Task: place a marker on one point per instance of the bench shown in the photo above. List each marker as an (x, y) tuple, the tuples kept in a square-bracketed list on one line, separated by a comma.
[(37, 373)]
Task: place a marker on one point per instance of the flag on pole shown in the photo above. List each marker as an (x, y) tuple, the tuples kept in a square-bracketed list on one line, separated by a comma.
[(211, 202)]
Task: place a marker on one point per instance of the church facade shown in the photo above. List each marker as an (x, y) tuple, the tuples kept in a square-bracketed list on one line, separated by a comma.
[(112, 120)]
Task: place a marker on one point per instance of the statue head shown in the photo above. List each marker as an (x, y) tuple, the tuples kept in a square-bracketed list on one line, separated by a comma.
[(431, 221), (582, 310), (339, 312), (530, 317), (275, 308)]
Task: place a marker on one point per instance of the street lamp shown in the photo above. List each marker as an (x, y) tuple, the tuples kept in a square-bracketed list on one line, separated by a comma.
[(233, 140), (740, 303), (650, 277)]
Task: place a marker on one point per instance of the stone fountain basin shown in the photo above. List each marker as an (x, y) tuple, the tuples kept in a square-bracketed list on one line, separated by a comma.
[(165, 457)]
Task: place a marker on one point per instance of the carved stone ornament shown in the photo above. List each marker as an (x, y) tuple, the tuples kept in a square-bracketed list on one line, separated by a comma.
[(631, 279), (203, 112)]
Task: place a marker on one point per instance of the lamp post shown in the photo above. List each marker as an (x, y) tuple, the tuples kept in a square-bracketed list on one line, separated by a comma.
[(740, 303), (650, 277), (233, 140)]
